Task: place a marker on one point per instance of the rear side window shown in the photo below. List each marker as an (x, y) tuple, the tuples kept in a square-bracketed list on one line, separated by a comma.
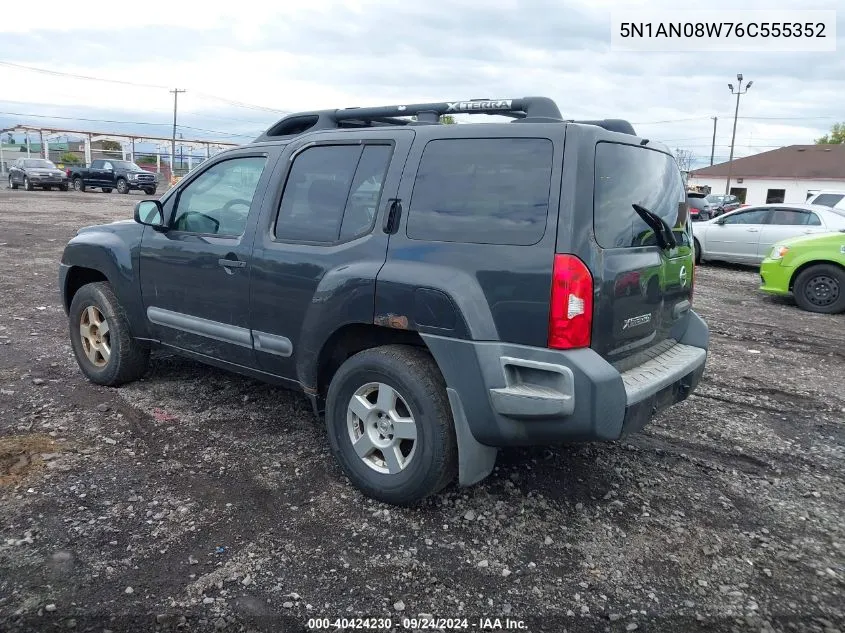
[(486, 191), (332, 193), (627, 175), (752, 216), (829, 199)]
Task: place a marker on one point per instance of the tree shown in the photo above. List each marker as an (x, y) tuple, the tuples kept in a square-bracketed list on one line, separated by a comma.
[(10, 138), (111, 146), (836, 135), (69, 158), (146, 160), (685, 158)]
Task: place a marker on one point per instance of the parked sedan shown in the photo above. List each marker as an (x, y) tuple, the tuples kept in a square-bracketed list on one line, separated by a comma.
[(811, 268), (723, 203), (36, 172), (746, 236)]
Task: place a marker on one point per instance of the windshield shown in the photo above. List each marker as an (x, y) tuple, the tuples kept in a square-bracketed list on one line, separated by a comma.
[(697, 203), (38, 163), (829, 199), (715, 199), (125, 164)]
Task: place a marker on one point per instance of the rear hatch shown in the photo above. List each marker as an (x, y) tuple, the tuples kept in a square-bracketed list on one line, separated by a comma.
[(642, 281), (698, 203)]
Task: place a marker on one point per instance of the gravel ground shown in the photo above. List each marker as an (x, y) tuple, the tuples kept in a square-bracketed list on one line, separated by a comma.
[(199, 501)]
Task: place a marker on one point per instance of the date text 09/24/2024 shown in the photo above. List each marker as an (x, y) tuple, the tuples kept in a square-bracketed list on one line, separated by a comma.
[(416, 624)]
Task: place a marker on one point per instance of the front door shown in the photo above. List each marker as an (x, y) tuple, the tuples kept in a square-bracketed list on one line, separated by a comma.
[(195, 275), (321, 243), (737, 237)]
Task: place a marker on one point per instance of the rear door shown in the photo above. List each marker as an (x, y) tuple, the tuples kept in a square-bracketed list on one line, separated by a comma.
[(320, 243), (785, 223), (94, 176), (642, 290)]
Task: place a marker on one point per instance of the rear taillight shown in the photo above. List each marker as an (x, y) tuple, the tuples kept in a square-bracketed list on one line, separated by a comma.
[(571, 309)]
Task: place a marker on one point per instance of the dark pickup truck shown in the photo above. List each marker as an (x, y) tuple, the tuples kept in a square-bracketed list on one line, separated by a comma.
[(110, 174), (436, 291)]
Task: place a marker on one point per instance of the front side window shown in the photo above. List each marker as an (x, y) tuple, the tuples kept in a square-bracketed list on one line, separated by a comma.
[(756, 216), (332, 193), (487, 191), (626, 175), (218, 200)]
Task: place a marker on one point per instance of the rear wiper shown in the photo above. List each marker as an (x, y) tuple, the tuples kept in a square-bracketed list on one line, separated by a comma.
[(662, 231)]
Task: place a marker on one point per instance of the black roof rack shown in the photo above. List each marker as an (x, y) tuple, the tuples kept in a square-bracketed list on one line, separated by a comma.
[(524, 110)]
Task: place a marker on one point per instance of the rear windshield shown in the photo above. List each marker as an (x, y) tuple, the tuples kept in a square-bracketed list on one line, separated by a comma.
[(630, 174), (697, 203), (829, 199)]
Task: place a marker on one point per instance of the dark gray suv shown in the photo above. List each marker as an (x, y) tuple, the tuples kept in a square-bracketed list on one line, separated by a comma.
[(436, 291)]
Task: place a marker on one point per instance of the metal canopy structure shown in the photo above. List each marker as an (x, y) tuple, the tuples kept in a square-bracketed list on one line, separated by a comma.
[(126, 141)]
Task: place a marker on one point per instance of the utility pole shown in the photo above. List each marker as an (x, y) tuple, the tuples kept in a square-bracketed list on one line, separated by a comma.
[(738, 93), (175, 92), (713, 144)]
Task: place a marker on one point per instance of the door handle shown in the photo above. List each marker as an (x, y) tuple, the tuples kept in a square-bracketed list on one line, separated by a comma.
[(231, 263), (753, 230)]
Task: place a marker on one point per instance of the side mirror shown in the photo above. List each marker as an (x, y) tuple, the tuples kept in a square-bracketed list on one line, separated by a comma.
[(150, 213), (720, 221)]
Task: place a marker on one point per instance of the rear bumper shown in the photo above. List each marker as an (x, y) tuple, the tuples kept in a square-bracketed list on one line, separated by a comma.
[(514, 395)]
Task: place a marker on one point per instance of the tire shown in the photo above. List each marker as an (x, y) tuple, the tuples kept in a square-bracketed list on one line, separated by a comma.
[(26, 184), (122, 186), (106, 189), (63, 187), (12, 185), (432, 457), (704, 216), (78, 184), (126, 360), (697, 250), (150, 191), (820, 288)]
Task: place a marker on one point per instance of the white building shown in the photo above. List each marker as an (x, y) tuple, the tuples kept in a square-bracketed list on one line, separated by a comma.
[(789, 174)]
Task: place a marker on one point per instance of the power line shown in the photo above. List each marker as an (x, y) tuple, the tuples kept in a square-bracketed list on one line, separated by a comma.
[(57, 73)]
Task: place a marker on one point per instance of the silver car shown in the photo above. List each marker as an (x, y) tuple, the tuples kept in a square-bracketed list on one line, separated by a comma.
[(746, 236)]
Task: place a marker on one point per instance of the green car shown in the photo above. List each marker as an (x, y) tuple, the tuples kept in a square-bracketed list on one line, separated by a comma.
[(812, 268)]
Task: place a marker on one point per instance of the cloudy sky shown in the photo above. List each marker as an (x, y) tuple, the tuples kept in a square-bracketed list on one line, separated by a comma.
[(334, 53)]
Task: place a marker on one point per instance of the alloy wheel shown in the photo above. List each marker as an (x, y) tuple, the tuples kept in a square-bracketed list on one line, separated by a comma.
[(95, 335), (381, 428)]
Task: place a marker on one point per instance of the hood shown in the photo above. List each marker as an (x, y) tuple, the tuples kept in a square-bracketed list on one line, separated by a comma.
[(118, 227)]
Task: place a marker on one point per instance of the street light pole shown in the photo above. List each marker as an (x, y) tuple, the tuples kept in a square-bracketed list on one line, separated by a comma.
[(738, 93), (713, 145)]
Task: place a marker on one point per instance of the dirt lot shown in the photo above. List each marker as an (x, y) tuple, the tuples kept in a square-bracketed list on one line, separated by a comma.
[(197, 500)]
